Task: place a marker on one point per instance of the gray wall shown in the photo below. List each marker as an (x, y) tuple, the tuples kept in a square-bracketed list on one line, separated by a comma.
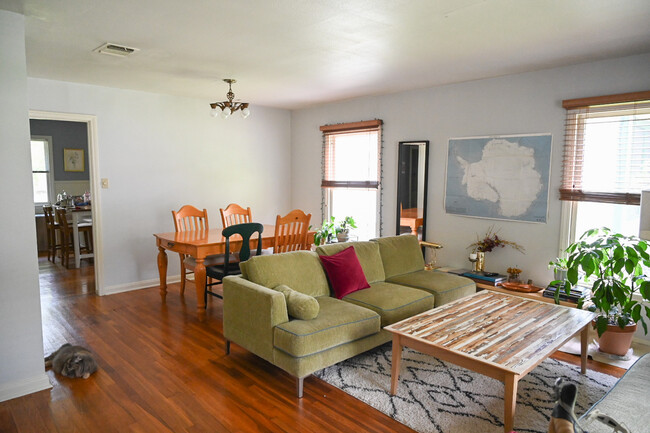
[(516, 104), (65, 135), (160, 152)]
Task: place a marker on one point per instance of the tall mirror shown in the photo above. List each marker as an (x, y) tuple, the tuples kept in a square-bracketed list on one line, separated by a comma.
[(413, 157)]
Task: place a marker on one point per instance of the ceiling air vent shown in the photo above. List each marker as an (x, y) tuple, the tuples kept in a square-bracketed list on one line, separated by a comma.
[(115, 50)]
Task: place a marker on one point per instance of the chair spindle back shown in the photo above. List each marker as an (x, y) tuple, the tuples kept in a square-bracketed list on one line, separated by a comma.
[(291, 232), (235, 214), (190, 218)]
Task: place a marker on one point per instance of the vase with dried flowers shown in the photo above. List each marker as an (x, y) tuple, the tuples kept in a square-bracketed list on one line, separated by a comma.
[(488, 243), (513, 275)]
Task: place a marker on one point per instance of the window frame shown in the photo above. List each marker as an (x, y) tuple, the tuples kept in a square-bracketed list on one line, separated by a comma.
[(328, 187), (38, 206), (569, 209)]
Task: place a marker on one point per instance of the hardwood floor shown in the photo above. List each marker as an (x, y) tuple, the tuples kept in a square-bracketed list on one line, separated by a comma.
[(162, 370)]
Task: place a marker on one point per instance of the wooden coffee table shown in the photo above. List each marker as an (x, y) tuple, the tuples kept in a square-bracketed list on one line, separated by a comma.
[(494, 334)]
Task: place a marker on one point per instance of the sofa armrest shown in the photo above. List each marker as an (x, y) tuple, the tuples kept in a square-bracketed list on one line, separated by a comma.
[(250, 312)]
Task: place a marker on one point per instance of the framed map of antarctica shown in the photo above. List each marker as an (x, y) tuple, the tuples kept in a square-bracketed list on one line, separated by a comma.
[(499, 177)]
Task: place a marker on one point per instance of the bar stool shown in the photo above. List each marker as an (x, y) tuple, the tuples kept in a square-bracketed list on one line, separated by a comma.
[(53, 233)]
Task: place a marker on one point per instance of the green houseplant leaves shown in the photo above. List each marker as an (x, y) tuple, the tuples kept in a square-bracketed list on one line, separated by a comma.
[(330, 229), (617, 267), (325, 233)]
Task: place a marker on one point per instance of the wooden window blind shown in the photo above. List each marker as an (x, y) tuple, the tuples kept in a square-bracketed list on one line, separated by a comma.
[(352, 155), (606, 148)]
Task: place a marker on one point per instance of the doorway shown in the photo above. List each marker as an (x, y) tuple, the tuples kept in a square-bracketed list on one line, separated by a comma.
[(86, 277)]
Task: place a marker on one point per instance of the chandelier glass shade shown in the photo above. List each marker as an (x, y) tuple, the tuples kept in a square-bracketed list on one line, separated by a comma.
[(226, 108)]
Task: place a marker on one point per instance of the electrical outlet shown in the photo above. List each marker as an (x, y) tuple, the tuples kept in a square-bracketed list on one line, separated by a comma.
[(105, 183)]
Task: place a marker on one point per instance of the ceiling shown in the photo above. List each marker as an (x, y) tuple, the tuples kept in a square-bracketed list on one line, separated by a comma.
[(296, 53)]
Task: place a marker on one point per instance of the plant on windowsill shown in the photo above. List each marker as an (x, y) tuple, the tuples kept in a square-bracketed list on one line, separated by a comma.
[(325, 234), (559, 266), (343, 229), (615, 264)]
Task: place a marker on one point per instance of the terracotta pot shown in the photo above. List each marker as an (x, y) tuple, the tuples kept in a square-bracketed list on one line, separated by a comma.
[(615, 340)]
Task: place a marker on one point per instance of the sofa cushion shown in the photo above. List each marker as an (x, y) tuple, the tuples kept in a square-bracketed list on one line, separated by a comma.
[(392, 302), (400, 255), (446, 287), (344, 272), (627, 402), (300, 270), (299, 305), (338, 322), (368, 254)]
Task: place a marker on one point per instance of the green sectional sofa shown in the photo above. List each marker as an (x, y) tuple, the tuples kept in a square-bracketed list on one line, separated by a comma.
[(255, 315)]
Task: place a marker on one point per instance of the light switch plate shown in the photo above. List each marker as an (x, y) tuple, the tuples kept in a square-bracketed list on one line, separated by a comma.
[(105, 183)]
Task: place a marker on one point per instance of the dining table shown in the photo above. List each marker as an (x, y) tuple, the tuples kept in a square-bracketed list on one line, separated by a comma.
[(412, 218), (200, 244), (77, 216)]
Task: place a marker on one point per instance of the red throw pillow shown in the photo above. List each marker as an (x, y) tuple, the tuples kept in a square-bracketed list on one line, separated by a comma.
[(344, 272)]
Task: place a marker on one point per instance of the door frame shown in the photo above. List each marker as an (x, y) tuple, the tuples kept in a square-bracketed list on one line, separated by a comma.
[(95, 182)]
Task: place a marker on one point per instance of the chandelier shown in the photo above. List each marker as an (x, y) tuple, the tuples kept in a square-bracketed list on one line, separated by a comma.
[(228, 107)]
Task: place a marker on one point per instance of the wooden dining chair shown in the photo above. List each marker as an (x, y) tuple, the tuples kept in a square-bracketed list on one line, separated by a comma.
[(291, 232), (53, 233), (67, 238), (218, 272), (190, 218), (235, 214)]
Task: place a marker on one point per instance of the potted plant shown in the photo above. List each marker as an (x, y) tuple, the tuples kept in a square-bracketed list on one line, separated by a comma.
[(343, 229), (559, 266), (614, 266), (325, 234)]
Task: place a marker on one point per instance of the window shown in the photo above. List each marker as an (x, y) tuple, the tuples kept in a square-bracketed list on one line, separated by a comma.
[(352, 175), (606, 163), (41, 170)]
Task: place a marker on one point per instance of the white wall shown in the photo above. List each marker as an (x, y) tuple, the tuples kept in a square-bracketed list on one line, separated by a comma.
[(516, 104), (21, 343), (160, 152)]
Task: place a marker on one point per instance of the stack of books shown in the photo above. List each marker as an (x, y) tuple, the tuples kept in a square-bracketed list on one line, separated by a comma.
[(486, 277), (576, 294)]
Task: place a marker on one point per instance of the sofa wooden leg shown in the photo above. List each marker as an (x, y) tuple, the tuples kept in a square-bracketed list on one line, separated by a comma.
[(299, 386), (227, 347)]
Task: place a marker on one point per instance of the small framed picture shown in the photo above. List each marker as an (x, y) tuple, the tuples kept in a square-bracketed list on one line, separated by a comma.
[(73, 160)]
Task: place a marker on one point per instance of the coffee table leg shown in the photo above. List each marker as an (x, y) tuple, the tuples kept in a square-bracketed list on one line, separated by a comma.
[(509, 402), (396, 360), (584, 345)]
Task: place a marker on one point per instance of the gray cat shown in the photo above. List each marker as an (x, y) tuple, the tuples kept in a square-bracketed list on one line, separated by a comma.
[(72, 361)]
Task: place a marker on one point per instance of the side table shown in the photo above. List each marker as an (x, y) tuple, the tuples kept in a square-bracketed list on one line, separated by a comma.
[(537, 296)]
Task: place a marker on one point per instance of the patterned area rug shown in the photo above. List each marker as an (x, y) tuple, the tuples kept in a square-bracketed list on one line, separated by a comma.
[(436, 396)]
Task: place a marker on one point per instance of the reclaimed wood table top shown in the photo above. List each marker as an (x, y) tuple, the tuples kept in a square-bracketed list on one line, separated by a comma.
[(507, 332)]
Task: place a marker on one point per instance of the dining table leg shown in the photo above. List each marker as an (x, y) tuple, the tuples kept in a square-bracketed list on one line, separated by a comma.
[(75, 239), (162, 271), (199, 281)]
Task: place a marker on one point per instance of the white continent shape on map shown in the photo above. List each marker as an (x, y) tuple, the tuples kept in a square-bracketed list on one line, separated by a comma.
[(505, 174)]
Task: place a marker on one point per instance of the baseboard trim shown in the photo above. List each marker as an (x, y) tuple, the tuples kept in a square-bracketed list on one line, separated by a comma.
[(19, 388), (137, 285)]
